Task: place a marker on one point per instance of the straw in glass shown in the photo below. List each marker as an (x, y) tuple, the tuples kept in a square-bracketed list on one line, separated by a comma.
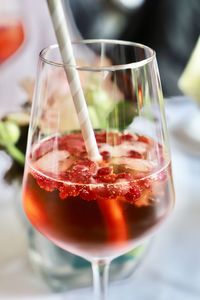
[(65, 46)]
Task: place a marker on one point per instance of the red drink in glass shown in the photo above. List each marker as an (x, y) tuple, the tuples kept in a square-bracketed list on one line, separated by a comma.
[(98, 209)]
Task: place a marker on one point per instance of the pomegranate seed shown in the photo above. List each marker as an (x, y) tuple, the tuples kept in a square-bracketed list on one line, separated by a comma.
[(63, 194), (105, 154), (82, 171), (104, 171), (144, 139), (134, 154), (100, 137), (68, 191), (111, 178), (45, 183), (127, 137), (86, 165), (133, 194), (145, 183), (87, 194)]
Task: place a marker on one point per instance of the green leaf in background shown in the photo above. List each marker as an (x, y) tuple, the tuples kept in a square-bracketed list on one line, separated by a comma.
[(122, 115), (16, 154), (9, 133), (9, 136)]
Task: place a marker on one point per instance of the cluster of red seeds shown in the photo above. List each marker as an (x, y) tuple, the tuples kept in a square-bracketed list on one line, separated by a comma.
[(130, 190), (91, 180)]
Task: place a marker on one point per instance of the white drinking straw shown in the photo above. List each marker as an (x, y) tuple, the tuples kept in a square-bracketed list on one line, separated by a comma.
[(65, 46)]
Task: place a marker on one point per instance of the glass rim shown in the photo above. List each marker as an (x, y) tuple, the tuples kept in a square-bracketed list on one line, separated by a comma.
[(132, 65)]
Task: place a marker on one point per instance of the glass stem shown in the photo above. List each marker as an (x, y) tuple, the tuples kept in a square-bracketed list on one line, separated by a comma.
[(100, 270)]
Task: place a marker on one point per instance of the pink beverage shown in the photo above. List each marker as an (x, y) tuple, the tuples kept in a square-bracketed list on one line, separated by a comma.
[(97, 209), (11, 37)]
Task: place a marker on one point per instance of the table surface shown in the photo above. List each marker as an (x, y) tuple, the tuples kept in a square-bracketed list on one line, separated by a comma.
[(170, 270)]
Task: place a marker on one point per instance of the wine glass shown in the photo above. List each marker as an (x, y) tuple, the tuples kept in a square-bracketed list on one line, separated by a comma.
[(12, 33), (101, 209)]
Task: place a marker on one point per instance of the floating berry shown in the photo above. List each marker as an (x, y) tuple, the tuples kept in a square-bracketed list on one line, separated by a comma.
[(87, 193), (100, 191), (134, 154), (128, 137), (80, 176), (68, 191), (114, 191), (104, 171), (119, 175), (145, 183), (45, 183), (133, 194), (91, 166), (144, 139), (82, 171), (100, 137), (105, 154)]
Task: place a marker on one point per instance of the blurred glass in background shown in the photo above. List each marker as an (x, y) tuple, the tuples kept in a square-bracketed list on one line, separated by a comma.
[(11, 29), (25, 29)]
